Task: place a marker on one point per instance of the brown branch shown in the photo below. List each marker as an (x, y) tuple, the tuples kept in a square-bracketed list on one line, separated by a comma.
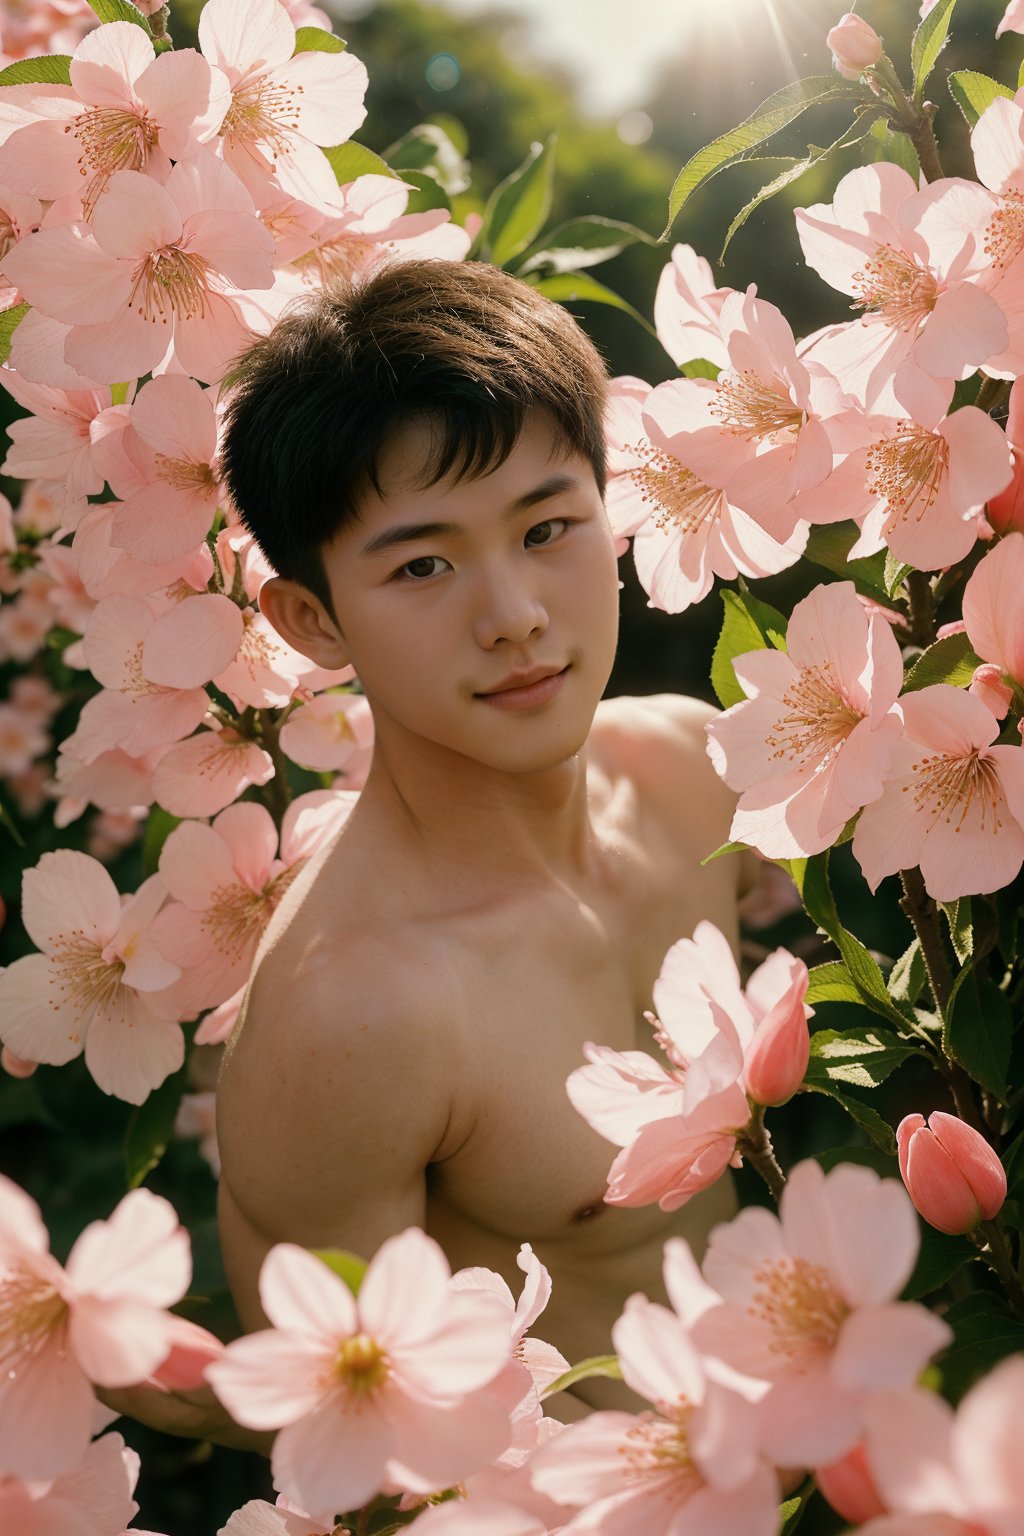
[(755, 1144)]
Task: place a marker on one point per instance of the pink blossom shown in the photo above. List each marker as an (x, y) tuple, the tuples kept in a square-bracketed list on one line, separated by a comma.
[(258, 1518), (1013, 18), (106, 571), (99, 985), (1005, 511), (113, 781), (22, 740), (101, 1319), (678, 1129), (44, 26), (953, 803), (855, 46), (987, 685), (849, 1487), (202, 775), (951, 1474), (920, 310), (992, 615), (951, 1172), (687, 309), (126, 109), (93, 1498), (196, 1120), (376, 1391), (24, 625), (685, 531), (477, 1518), (538, 1364), (154, 282), (810, 1307), (169, 495), (282, 106), (812, 742), (55, 443), (691, 1464), (241, 559), (329, 731), (266, 671)]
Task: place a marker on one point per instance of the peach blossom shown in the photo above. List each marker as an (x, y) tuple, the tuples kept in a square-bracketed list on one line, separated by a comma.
[(953, 802), (202, 775), (687, 307), (992, 616), (100, 1319), (951, 1172), (22, 739), (93, 1498), (329, 731), (379, 1391), (855, 46), (99, 985), (810, 1307), (266, 670)]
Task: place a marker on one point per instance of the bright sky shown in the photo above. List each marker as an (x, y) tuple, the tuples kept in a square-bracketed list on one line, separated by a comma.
[(617, 47)]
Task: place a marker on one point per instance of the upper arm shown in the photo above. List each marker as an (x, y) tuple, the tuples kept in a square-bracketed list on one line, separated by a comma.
[(332, 1101)]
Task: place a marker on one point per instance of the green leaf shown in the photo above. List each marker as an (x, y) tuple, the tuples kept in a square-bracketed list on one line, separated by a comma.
[(862, 1057), (580, 243), (793, 172), (596, 1365), (869, 1120), (830, 983), (347, 1266), (978, 1032), (973, 92), (985, 1332), (947, 661), (427, 192), (10, 319), (780, 109), (518, 207), (429, 147), (884, 1163), (317, 40), (812, 883), (895, 147), (747, 625), (700, 368), (908, 976), (939, 1258), (351, 160), (48, 69), (581, 288), (929, 41), (794, 1509), (961, 933), (121, 10), (829, 545), (151, 1127), (159, 826), (895, 573)]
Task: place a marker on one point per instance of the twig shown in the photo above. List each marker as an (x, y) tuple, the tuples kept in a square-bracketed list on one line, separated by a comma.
[(990, 1240), (755, 1144)]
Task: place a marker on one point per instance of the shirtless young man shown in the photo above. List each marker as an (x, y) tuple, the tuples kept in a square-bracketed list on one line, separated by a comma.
[(423, 462)]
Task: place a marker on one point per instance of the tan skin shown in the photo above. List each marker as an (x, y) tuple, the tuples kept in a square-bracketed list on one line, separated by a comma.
[(505, 891)]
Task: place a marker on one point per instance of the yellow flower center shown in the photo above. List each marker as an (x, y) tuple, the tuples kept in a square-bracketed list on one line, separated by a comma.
[(802, 1307), (895, 287), (755, 408), (677, 497), (361, 1365), (818, 719), (341, 259), (947, 787)]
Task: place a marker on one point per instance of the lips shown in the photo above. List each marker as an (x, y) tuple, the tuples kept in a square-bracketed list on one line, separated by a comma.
[(521, 680)]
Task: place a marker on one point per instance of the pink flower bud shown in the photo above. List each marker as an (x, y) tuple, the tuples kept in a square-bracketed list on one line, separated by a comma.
[(192, 1350), (849, 1487), (988, 685), (855, 46), (952, 1174), (777, 1057)]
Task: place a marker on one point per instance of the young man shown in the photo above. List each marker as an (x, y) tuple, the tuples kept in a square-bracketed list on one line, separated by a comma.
[(422, 460)]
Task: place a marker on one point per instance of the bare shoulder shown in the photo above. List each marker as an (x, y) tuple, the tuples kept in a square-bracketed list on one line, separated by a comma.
[(334, 1092), (660, 741)]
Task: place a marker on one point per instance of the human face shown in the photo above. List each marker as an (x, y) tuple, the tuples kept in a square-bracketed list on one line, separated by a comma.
[(481, 614)]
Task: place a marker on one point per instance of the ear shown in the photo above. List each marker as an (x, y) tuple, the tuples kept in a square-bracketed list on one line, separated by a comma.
[(301, 618)]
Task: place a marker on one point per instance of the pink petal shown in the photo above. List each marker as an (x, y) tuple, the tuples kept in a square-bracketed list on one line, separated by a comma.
[(134, 217), (333, 1460), (117, 1344), (32, 1023), (186, 97), (882, 1349), (46, 1413), (194, 641), (658, 1360), (177, 418), (965, 329), (204, 774), (395, 1306), (437, 1446), (69, 892), (141, 1253), (991, 610), (130, 1050), (250, 834), (463, 1351), (207, 344), (269, 1379), (194, 863), (123, 351), (299, 1293), (67, 276), (108, 61), (243, 35), (330, 90)]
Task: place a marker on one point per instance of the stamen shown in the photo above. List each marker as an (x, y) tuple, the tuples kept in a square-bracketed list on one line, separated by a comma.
[(677, 496), (755, 408), (819, 718), (171, 283), (895, 287), (801, 1306), (342, 259), (906, 470), (112, 139), (82, 978), (263, 112), (1004, 232), (30, 1312), (237, 916), (361, 1365), (185, 474), (947, 784), (658, 1444)]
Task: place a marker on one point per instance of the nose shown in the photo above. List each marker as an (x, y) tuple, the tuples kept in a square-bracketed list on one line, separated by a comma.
[(509, 610)]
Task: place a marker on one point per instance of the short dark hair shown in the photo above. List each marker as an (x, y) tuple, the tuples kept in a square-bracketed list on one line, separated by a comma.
[(313, 405)]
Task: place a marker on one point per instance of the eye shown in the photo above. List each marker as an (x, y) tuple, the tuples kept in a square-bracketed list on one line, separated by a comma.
[(420, 569), (544, 533)]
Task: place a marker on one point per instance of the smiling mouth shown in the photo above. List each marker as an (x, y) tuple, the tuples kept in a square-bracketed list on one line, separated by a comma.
[(521, 684)]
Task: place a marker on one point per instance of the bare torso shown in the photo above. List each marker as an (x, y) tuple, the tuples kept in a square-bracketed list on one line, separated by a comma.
[(513, 982)]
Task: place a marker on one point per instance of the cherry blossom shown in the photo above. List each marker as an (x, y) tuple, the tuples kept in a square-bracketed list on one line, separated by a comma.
[(810, 1307), (992, 613), (22, 739), (920, 310), (855, 46), (125, 110), (376, 1391), (813, 741), (99, 985), (266, 671), (679, 1129), (953, 803), (282, 106), (100, 1319), (687, 307), (204, 774), (155, 279), (55, 443), (329, 731), (93, 1498)]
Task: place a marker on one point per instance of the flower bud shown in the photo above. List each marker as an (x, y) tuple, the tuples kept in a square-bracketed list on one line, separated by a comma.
[(192, 1349), (989, 685), (777, 1056), (855, 46), (952, 1174), (849, 1487)]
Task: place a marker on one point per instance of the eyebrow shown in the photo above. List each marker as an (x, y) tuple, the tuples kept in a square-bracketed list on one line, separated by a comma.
[(408, 533)]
